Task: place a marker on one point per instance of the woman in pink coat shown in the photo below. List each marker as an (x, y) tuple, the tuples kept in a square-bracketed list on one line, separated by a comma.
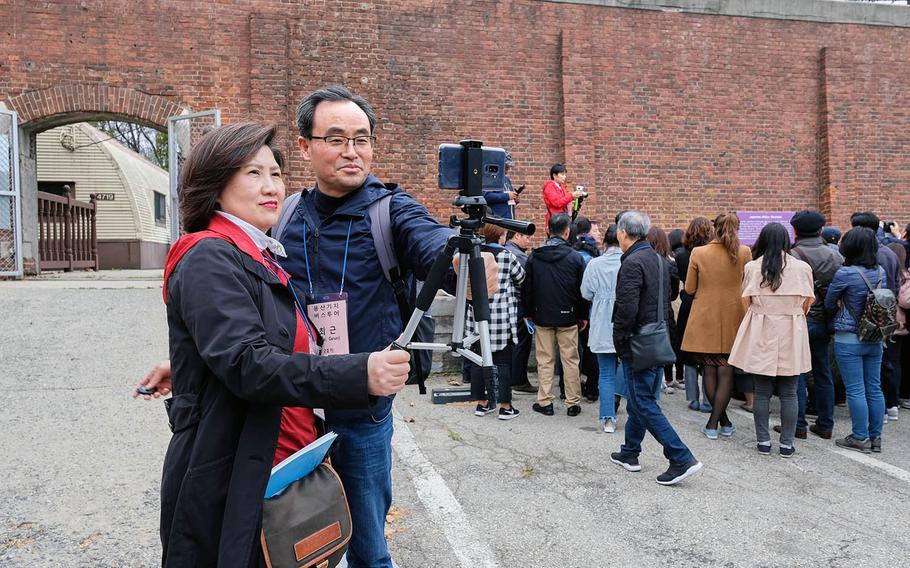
[(773, 339)]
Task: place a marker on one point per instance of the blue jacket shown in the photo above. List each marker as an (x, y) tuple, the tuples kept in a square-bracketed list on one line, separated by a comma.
[(498, 201), (373, 317), (848, 287), (599, 286)]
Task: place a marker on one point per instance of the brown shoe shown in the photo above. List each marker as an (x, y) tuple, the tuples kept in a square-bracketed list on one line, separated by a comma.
[(801, 434), (525, 388), (820, 432)]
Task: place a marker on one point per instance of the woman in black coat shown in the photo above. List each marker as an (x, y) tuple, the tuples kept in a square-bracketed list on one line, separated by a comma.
[(243, 355)]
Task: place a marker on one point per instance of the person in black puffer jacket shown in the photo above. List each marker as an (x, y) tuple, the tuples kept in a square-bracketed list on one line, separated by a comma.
[(552, 299)]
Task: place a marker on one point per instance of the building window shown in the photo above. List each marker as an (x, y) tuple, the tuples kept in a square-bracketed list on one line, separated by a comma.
[(160, 208)]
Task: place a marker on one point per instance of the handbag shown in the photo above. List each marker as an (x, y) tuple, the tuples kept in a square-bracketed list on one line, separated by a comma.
[(650, 345), (308, 524)]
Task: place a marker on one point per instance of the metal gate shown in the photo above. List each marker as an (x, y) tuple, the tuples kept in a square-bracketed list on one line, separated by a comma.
[(182, 132), (10, 201)]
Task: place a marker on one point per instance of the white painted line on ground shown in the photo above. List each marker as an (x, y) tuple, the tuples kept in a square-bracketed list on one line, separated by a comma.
[(865, 459), (444, 509)]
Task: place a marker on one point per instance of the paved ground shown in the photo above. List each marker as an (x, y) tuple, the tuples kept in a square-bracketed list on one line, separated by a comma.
[(81, 466)]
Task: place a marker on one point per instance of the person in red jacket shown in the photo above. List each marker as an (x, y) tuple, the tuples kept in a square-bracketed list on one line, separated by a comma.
[(556, 196)]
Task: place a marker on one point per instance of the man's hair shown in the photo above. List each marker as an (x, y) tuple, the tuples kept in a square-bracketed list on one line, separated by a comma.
[(582, 224), (306, 110), (635, 223), (212, 163), (860, 247), (558, 224), (557, 169), (865, 219)]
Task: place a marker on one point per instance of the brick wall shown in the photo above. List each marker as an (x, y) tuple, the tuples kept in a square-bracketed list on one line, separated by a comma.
[(679, 114)]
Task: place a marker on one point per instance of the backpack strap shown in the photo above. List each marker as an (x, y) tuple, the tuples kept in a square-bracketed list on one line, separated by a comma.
[(290, 204), (866, 280), (383, 241)]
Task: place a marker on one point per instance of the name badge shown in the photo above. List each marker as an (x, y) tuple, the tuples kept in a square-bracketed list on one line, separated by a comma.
[(330, 316)]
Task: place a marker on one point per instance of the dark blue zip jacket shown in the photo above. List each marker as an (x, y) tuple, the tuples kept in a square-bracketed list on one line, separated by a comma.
[(373, 317), (848, 287)]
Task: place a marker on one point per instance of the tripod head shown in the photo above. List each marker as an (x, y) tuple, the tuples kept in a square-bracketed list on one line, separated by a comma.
[(471, 201)]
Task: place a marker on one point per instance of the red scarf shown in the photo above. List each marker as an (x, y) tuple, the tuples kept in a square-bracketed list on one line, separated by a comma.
[(298, 425)]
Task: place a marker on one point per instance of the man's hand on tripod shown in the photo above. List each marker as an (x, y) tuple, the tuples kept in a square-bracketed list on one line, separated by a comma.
[(491, 268)]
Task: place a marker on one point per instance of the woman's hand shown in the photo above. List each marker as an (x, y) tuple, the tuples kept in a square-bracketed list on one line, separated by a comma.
[(387, 371)]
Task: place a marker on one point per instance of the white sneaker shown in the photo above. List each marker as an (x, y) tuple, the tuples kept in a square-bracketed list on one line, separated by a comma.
[(609, 425), (905, 403), (667, 389), (892, 414)]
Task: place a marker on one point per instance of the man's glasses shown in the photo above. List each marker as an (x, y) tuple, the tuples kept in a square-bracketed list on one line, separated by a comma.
[(338, 141)]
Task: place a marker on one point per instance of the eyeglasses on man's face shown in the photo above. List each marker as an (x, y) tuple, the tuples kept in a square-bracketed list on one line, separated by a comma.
[(338, 141)]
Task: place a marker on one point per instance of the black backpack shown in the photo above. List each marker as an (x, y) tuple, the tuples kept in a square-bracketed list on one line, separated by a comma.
[(381, 228), (878, 321)]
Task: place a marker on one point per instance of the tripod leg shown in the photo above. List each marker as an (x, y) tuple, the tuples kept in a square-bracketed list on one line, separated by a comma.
[(435, 279), (481, 304), (461, 300)]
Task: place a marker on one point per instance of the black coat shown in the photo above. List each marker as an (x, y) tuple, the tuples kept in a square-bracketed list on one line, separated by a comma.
[(232, 326), (636, 293), (551, 292)]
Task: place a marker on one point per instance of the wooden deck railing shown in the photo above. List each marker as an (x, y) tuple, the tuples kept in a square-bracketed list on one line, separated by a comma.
[(67, 234)]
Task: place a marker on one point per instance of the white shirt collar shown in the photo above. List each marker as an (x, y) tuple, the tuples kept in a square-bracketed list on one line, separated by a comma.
[(260, 239)]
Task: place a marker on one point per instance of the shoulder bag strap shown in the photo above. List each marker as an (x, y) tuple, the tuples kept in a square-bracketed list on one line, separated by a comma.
[(290, 204), (661, 298)]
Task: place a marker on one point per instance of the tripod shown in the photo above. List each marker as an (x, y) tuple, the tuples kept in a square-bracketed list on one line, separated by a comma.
[(470, 263)]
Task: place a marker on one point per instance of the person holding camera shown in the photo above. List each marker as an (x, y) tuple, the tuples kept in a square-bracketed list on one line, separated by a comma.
[(556, 195), (502, 202)]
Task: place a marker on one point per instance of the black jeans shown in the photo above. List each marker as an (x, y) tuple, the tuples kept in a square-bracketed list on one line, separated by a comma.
[(891, 370), (503, 361), (520, 354)]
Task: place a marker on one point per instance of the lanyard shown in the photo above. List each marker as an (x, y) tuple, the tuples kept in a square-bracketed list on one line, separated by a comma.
[(344, 261), (271, 266)]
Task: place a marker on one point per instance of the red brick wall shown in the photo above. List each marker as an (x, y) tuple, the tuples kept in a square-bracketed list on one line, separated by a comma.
[(677, 114)]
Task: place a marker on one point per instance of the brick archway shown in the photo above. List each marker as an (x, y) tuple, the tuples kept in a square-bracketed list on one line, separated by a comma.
[(64, 104)]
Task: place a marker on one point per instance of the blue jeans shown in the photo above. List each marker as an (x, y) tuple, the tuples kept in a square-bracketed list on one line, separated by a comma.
[(609, 370), (819, 339), (860, 367), (363, 459), (645, 416)]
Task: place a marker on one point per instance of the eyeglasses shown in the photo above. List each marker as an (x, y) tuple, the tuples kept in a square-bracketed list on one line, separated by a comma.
[(338, 141)]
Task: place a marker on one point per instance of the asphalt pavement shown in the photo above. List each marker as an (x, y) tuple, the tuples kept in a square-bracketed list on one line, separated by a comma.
[(82, 461)]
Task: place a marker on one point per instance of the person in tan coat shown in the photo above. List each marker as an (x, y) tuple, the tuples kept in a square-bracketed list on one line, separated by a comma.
[(714, 279), (773, 340)]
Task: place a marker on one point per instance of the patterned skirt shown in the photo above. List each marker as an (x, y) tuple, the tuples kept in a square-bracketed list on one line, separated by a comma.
[(712, 359)]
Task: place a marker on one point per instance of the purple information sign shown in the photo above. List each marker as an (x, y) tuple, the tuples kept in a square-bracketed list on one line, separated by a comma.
[(752, 222)]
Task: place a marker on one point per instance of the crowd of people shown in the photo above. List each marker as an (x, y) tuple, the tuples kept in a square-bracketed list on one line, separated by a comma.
[(816, 320), (637, 311)]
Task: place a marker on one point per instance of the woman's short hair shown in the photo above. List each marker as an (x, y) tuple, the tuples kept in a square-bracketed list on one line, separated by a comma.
[(211, 164), (557, 169), (859, 247), (491, 233), (699, 233), (610, 239), (659, 241), (675, 236)]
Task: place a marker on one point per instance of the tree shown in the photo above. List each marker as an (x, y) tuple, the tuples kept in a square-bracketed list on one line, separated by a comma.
[(144, 140)]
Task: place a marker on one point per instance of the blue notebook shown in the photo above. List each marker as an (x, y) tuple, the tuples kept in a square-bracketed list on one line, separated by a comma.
[(298, 465)]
